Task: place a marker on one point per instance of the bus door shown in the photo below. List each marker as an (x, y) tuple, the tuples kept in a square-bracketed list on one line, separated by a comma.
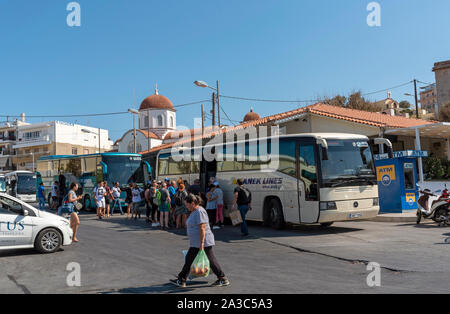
[(208, 170), (308, 188)]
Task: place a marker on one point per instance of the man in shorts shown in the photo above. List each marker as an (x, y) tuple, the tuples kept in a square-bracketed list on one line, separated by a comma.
[(99, 195)]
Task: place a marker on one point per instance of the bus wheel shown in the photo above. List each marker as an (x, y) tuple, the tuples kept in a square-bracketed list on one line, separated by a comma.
[(275, 214), (326, 224), (87, 203)]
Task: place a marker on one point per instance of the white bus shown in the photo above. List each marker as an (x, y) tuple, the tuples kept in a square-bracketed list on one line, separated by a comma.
[(21, 185), (320, 178)]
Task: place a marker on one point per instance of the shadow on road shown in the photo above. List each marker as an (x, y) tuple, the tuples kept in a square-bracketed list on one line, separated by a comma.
[(22, 252), (162, 288), (229, 233)]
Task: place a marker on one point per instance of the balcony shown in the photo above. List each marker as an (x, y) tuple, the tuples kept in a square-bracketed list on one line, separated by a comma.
[(30, 142)]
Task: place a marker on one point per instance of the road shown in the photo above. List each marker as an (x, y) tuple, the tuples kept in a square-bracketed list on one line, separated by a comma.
[(123, 256)]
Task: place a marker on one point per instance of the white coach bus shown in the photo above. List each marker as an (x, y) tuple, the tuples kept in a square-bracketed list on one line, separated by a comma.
[(319, 178), (21, 185)]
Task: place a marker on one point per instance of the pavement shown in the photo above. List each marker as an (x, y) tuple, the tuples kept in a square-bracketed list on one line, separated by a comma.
[(123, 256)]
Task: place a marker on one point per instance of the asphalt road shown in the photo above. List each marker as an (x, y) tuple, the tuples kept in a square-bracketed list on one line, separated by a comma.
[(123, 256)]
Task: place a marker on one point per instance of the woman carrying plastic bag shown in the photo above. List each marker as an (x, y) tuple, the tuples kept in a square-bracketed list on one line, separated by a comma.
[(200, 258)]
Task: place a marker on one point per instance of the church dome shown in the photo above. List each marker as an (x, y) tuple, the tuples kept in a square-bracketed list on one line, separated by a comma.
[(156, 101), (251, 116)]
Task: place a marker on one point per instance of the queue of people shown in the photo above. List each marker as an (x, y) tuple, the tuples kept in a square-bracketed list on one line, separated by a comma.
[(166, 203)]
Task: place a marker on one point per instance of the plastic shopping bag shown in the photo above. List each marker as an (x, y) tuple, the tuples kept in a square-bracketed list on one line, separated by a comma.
[(200, 266), (236, 218)]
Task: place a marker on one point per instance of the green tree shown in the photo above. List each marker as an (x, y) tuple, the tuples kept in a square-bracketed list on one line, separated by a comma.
[(354, 101), (433, 168), (404, 104)]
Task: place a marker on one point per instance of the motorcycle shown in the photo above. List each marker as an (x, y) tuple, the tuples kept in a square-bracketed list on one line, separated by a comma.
[(440, 208)]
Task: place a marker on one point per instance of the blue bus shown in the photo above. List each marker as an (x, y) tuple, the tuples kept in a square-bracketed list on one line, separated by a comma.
[(88, 170)]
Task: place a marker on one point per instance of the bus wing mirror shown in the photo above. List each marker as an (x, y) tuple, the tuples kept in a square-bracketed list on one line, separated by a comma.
[(324, 146), (385, 141), (147, 171), (102, 169)]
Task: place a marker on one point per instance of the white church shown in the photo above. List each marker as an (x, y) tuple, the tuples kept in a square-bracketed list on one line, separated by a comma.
[(157, 118)]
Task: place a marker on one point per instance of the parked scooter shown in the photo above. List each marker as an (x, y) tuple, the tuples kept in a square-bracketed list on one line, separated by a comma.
[(440, 209)]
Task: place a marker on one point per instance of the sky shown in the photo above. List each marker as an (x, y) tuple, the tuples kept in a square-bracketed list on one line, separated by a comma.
[(265, 49)]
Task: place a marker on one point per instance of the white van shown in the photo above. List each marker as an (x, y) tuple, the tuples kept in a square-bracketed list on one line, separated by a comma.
[(22, 185), (23, 226)]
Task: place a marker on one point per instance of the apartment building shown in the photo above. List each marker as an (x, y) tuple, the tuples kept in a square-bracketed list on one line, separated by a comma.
[(56, 138)]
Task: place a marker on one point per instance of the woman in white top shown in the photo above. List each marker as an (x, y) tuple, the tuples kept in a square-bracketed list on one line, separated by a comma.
[(136, 193)]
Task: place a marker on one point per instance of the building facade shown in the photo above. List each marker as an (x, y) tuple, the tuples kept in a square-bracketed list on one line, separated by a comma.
[(8, 138), (56, 138), (442, 73), (428, 99)]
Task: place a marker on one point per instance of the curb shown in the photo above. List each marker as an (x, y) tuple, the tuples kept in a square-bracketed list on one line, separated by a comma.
[(396, 218)]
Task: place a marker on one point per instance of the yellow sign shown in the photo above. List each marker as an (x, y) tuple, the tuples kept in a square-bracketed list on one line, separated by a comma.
[(410, 198), (386, 173)]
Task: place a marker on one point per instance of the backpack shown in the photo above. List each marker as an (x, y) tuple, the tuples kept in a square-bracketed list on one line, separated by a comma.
[(179, 198), (245, 196), (158, 196), (162, 197)]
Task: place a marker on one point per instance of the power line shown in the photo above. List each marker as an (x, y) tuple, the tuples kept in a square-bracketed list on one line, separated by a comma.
[(228, 118), (387, 89), (94, 114), (309, 100)]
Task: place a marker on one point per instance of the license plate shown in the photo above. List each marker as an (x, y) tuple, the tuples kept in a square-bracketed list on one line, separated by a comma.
[(354, 216)]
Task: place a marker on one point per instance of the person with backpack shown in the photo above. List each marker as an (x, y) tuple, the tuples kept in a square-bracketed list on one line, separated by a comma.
[(154, 200), (148, 203), (180, 207), (108, 198), (242, 200), (164, 205)]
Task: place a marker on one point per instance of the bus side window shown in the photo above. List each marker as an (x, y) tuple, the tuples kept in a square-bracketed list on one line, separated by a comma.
[(308, 171)]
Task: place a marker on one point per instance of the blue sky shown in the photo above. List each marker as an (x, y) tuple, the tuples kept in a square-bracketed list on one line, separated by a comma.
[(285, 49)]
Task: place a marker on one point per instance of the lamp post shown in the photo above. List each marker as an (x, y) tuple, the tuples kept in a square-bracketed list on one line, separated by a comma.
[(215, 97), (98, 134), (134, 112)]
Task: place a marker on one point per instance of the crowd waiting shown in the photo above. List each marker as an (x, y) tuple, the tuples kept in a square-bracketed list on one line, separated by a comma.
[(164, 202)]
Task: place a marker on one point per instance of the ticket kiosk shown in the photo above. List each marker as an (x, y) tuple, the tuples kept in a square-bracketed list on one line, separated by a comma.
[(397, 179)]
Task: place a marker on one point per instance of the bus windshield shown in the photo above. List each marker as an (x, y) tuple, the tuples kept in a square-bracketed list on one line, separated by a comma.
[(124, 169), (26, 184), (349, 163), (2, 184)]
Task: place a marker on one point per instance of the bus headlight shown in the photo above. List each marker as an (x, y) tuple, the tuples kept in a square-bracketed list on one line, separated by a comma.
[(328, 206), (376, 201)]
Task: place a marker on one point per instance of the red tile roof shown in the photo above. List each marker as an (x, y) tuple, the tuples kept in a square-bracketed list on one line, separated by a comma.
[(341, 113)]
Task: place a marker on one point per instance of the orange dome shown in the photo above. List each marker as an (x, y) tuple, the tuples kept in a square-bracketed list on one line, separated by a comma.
[(251, 116), (156, 101)]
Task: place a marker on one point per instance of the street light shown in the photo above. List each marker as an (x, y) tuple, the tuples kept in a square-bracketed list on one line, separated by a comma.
[(98, 134), (134, 112), (216, 97)]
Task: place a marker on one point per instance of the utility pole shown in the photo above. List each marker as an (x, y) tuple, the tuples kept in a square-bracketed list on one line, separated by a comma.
[(134, 132), (203, 121), (99, 143), (415, 96), (213, 111), (218, 104)]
